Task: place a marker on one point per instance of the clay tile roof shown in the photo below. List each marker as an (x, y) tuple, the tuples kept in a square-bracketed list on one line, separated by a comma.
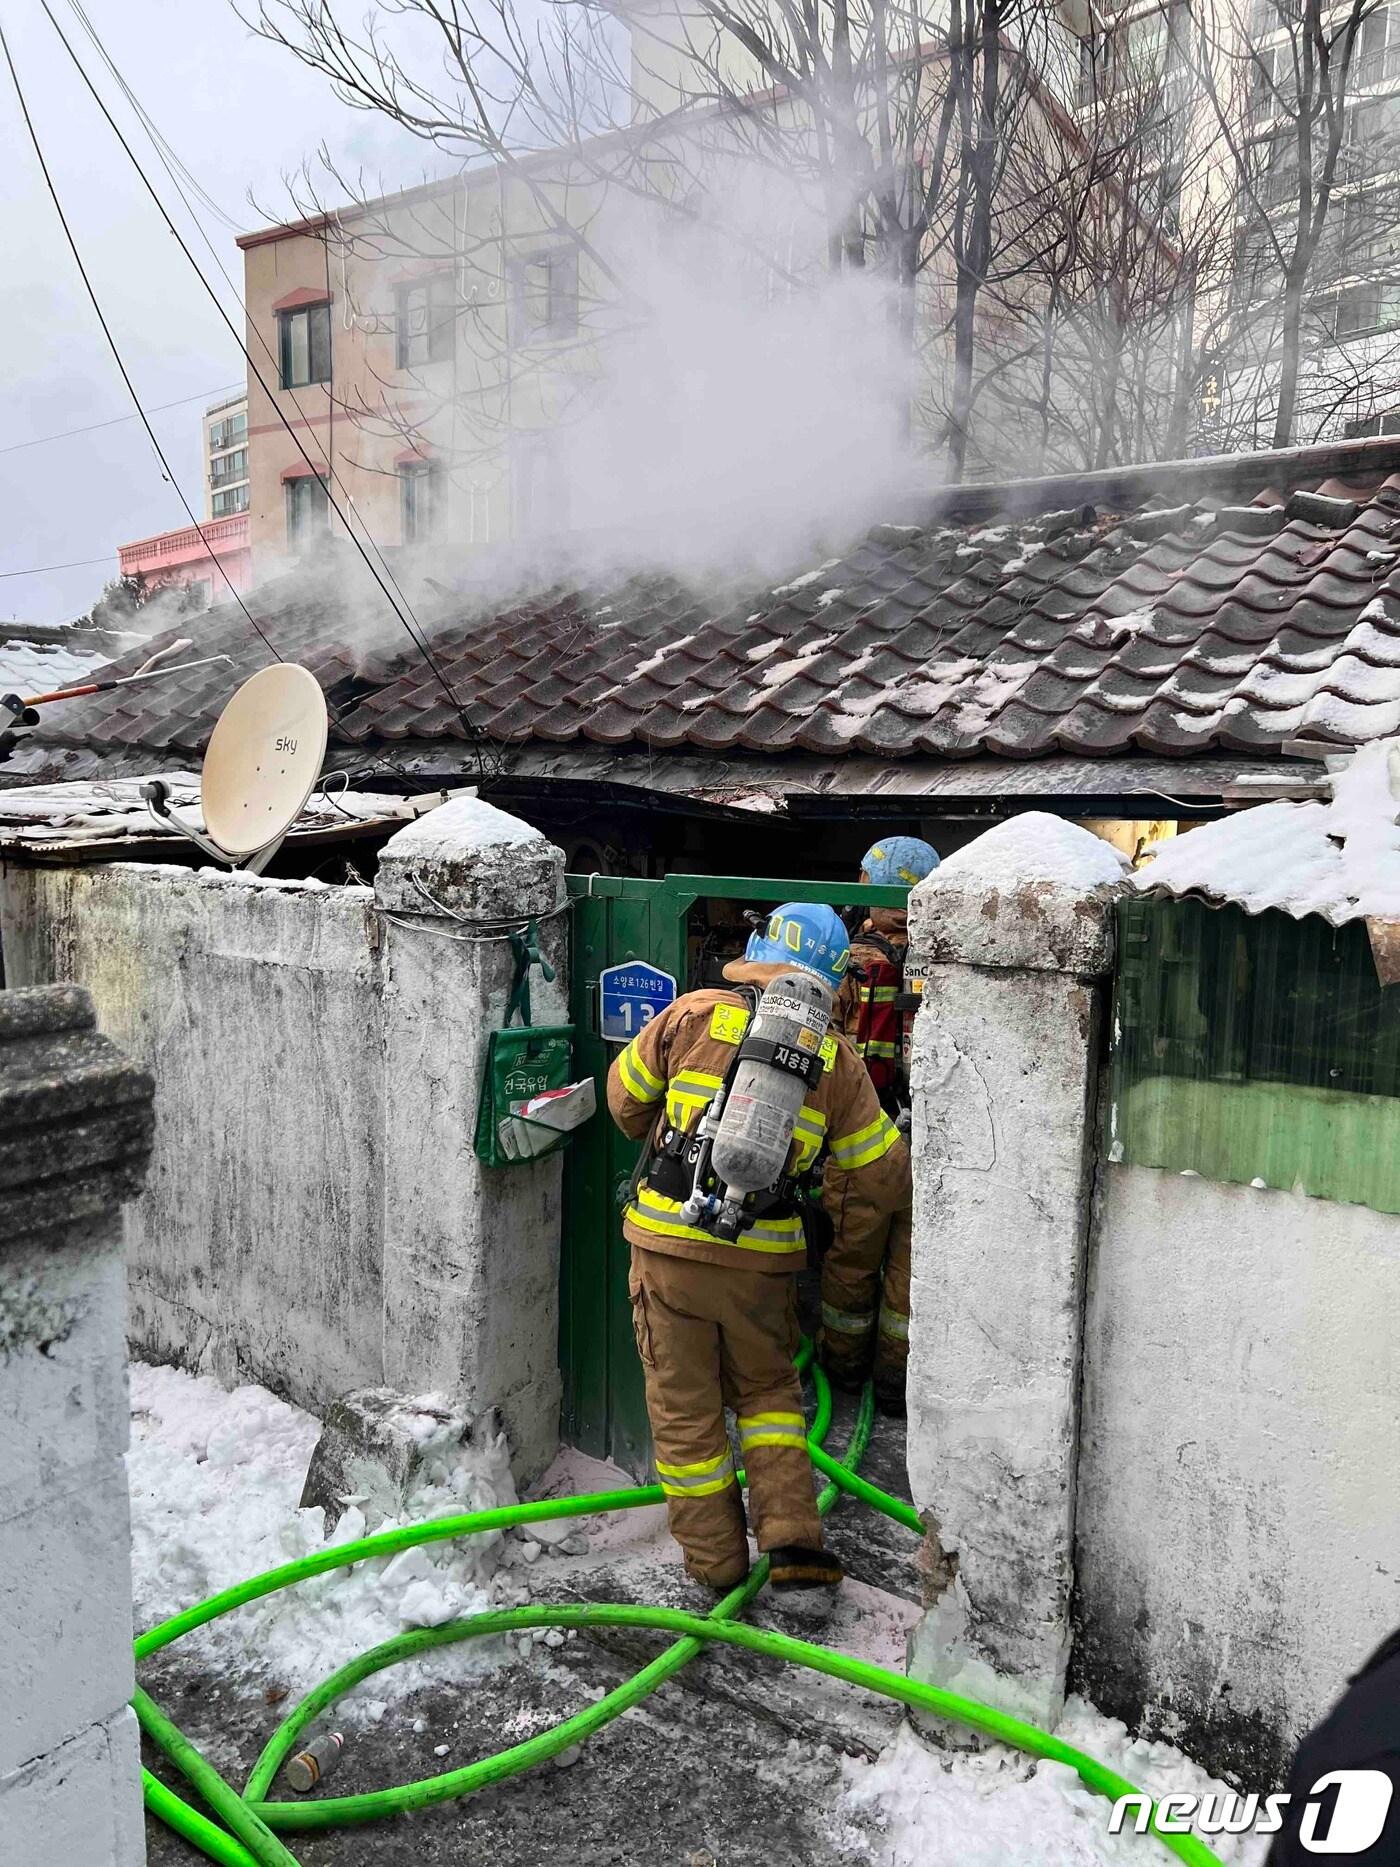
[(1204, 606)]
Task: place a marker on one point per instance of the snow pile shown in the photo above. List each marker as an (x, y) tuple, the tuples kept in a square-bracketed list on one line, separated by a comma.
[(994, 1808), (215, 1481), (1036, 847), (1340, 860)]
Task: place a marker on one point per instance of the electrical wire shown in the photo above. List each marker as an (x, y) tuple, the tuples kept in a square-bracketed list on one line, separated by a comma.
[(473, 733), (113, 346), (65, 434), (36, 570)]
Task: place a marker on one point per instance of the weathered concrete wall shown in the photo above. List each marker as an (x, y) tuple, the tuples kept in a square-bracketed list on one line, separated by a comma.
[(75, 1124), (316, 1218), (1003, 1071), (256, 1251), (1239, 1477)]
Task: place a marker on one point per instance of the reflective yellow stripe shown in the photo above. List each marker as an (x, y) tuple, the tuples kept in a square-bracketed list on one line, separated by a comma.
[(866, 1144), (848, 1322), (882, 994), (654, 1213), (878, 1047), (894, 1323), (702, 1479), (772, 1429), (637, 1079)]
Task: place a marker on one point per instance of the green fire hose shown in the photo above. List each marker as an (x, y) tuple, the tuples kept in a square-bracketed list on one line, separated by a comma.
[(249, 1836)]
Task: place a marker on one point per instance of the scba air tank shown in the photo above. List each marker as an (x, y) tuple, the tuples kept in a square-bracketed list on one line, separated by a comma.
[(779, 1058)]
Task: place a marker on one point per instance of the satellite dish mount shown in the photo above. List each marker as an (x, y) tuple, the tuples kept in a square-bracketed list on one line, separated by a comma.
[(263, 760)]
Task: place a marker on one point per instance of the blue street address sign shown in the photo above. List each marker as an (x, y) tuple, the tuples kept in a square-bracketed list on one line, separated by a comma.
[(630, 997)]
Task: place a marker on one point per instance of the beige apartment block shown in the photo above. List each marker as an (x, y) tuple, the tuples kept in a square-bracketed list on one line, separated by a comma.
[(409, 358)]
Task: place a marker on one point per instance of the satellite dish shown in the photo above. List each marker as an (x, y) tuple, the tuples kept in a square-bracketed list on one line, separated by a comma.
[(261, 765)]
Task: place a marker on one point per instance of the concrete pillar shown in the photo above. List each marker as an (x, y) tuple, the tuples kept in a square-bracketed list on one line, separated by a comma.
[(471, 1253), (1016, 933), (75, 1131)]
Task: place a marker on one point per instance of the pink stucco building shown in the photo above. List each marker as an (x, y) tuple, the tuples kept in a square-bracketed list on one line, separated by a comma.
[(184, 557)]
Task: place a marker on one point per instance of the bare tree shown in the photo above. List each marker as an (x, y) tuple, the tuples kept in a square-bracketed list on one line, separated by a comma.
[(1021, 239), (1288, 84)]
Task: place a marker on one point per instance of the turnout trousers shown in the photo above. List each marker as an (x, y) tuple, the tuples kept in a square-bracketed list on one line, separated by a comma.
[(712, 1337), (865, 1306)]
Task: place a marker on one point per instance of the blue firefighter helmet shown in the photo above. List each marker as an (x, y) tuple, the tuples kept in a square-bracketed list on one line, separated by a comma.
[(809, 937), (899, 859)]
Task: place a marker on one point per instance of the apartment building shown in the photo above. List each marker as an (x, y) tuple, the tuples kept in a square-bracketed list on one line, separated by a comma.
[(410, 358), (226, 457)]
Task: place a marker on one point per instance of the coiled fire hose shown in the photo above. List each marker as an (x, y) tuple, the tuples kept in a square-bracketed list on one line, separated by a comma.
[(249, 1836)]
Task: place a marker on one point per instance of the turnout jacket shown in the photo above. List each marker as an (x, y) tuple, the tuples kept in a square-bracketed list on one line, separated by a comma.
[(674, 1067), (865, 1007)]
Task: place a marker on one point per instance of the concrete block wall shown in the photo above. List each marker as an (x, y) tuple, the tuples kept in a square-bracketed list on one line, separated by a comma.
[(316, 1219), (75, 1130)]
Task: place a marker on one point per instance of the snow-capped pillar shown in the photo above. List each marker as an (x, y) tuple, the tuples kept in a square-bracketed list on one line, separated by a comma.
[(1015, 932), (75, 1132), (471, 1253)]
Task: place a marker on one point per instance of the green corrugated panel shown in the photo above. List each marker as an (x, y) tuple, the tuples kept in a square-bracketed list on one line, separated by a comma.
[(1255, 1048)]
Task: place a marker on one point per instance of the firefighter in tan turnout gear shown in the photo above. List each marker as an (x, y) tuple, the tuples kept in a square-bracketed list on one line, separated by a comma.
[(865, 1274), (738, 1098)]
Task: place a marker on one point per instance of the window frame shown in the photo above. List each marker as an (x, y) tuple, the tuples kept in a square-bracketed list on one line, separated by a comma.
[(555, 327), (304, 527), (317, 317), (420, 495), (439, 332), (227, 494)]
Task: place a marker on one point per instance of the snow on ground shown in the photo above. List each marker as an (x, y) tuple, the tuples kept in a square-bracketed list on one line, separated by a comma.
[(930, 1808), (215, 1481)]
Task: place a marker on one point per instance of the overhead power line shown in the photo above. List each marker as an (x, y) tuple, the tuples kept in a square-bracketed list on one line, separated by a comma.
[(65, 434), (37, 570), (402, 614), (112, 342)]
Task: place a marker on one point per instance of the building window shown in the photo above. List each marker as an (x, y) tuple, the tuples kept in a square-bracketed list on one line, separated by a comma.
[(232, 431), (304, 345), (308, 513), (228, 467), (1377, 54), (1128, 55), (1366, 307), (424, 322), (1370, 425), (420, 486), (546, 296), (232, 499)]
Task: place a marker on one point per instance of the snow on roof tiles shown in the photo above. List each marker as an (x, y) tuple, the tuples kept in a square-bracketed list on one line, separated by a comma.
[(1163, 619), (1340, 859)]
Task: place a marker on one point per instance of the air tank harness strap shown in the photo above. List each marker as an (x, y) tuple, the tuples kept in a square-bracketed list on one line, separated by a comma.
[(525, 946)]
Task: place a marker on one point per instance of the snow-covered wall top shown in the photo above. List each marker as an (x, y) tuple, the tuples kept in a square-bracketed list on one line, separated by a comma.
[(1340, 860)]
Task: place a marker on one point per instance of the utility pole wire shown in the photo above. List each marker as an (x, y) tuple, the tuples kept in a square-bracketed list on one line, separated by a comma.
[(472, 732), (65, 434), (112, 342)]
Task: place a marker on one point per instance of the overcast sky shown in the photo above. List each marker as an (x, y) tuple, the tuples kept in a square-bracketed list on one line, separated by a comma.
[(240, 114)]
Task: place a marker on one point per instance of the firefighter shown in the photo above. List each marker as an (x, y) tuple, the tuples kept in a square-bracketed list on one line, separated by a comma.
[(865, 1274), (716, 1320)]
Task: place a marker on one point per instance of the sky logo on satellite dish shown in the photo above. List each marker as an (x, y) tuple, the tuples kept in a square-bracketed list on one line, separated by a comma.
[(631, 995)]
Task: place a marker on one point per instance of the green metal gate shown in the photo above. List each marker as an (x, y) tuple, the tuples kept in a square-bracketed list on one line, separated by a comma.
[(615, 919)]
